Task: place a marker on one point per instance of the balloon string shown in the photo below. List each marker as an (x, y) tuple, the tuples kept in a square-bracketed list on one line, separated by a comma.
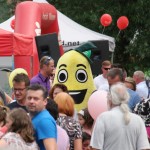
[(103, 30), (118, 34)]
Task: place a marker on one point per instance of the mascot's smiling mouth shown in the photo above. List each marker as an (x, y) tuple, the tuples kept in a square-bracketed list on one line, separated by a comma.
[(78, 95)]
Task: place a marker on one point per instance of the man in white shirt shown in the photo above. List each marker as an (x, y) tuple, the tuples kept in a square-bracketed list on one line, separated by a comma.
[(101, 81), (141, 87), (119, 129)]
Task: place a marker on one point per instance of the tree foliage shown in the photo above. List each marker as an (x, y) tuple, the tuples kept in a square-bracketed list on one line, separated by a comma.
[(132, 44), (4, 9), (7, 8)]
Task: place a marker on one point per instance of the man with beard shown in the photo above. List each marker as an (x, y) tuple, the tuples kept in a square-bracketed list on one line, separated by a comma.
[(46, 69)]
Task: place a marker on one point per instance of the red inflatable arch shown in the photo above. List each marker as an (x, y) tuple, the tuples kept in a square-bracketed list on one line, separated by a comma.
[(32, 19)]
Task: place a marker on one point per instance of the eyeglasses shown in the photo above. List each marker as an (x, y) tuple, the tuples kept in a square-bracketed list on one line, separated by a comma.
[(19, 90), (47, 60), (107, 68)]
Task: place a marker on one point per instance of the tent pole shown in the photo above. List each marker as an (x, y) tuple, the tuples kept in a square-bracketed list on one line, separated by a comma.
[(112, 57)]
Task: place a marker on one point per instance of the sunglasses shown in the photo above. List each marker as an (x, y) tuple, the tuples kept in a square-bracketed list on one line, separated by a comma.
[(47, 60), (107, 68)]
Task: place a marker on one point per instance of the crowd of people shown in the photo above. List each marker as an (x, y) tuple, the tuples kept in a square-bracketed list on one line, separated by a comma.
[(42, 116)]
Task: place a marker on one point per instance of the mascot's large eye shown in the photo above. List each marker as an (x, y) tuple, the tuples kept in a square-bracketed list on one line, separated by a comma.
[(81, 75), (62, 76)]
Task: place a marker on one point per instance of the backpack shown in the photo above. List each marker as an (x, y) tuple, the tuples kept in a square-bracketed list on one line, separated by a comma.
[(143, 110)]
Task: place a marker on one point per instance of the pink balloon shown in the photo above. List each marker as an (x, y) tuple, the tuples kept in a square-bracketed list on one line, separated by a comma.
[(97, 103)]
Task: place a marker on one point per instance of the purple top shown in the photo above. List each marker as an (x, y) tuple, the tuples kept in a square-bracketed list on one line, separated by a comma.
[(40, 79)]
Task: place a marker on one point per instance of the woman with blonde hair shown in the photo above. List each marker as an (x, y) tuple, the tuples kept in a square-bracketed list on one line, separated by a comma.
[(65, 120), (130, 83), (20, 132)]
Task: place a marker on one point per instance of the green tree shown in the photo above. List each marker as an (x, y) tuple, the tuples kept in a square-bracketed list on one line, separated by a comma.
[(4, 9), (132, 44), (7, 8)]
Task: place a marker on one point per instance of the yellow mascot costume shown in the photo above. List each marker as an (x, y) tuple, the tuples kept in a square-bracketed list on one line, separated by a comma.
[(73, 70)]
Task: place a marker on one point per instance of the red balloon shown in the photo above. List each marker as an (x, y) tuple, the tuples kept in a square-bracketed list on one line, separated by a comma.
[(122, 22), (12, 24), (106, 20)]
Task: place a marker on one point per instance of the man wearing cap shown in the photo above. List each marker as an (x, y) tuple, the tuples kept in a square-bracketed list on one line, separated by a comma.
[(46, 69), (101, 81)]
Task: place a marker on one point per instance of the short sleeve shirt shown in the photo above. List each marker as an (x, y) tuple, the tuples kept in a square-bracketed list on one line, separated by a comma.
[(44, 126), (142, 90), (16, 105), (134, 99), (15, 141), (72, 128), (40, 79), (101, 83), (111, 133)]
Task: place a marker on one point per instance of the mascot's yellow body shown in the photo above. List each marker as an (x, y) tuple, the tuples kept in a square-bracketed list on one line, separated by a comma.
[(74, 71)]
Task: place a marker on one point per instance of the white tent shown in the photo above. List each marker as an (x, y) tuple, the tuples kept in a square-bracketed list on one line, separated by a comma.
[(72, 33)]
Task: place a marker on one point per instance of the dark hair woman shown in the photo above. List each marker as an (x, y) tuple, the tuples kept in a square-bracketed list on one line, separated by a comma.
[(57, 88)]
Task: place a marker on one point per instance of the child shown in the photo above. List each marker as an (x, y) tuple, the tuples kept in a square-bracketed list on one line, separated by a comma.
[(86, 138), (85, 120), (3, 114)]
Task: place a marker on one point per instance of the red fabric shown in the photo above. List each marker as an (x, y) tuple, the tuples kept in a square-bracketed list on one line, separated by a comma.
[(15, 44), (24, 62), (6, 43), (22, 45), (40, 16), (26, 15), (35, 59)]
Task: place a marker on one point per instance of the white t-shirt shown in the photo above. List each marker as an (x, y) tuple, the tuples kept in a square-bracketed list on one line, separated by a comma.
[(142, 90), (111, 133), (101, 83)]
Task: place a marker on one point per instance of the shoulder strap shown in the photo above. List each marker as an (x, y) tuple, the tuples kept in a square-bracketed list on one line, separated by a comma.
[(148, 85)]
